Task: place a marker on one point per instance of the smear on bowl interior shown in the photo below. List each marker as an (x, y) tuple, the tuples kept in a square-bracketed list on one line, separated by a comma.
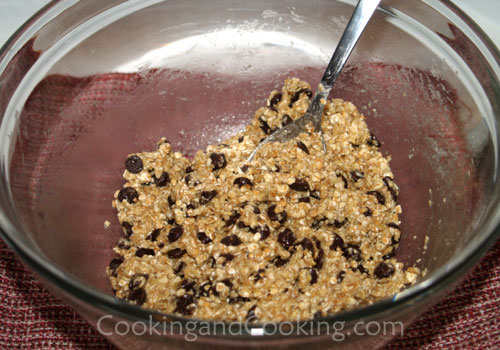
[(294, 234)]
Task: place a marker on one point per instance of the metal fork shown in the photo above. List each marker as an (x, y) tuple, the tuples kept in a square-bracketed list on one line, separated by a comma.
[(360, 18)]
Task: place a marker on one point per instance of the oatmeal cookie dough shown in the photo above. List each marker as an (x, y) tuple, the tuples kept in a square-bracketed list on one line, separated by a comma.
[(294, 234)]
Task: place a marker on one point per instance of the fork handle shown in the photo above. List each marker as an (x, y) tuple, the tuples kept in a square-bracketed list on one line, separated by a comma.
[(362, 14)]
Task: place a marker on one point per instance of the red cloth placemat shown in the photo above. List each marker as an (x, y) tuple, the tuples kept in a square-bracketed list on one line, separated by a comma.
[(32, 318)]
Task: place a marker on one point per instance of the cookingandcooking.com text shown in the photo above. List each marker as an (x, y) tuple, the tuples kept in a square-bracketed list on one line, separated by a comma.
[(191, 330)]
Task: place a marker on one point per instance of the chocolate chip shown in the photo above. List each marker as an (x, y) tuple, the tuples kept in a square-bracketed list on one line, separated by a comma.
[(263, 230), (318, 260), (271, 213), (163, 180), (238, 299), (144, 251), (286, 238), (273, 216), (176, 253), (368, 212), (190, 206), (307, 244), (394, 225), (384, 270), (340, 276), (276, 99), (189, 169), (189, 286), (231, 240), (218, 161), (154, 235), (175, 233), (256, 210), (338, 242), (304, 200), (115, 264), (123, 243), (362, 269), (277, 168), (213, 262), (317, 242), (203, 238), (188, 179), (241, 138), (346, 185), (352, 251), (251, 314), (389, 183), (232, 219), (138, 281), (214, 291), (207, 196), (242, 181), (185, 305), (315, 194), (127, 228), (265, 127), (317, 223), (227, 257), (303, 147), (279, 261), (129, 194), (242, 225), (138, 296), (286, 120), (380, 197), (179, 267), (205, 288), (296, 97), (300, 185), (244, 168), (314, 275), (394, 241), (171, 201), (258, 275), (227, 282), (134, 164), (357, 175), (373, 141), (339, 224)]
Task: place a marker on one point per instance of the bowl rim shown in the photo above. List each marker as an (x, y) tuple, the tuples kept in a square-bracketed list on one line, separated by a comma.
[(442, 278)]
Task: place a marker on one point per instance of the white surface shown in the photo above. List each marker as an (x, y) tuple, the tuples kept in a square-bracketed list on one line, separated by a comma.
[(485, 13), (13, 13)]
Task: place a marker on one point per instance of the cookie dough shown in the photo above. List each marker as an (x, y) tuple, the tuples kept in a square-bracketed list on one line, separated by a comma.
[(294, 234)]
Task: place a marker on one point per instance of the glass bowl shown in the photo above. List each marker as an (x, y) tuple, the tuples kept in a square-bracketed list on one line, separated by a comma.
[(83, 84)]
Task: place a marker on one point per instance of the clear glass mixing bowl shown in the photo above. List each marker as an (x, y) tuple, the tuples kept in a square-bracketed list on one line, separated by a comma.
[(84, 83)]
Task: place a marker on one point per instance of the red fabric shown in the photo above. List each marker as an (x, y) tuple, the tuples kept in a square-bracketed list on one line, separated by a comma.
[(32, 318)]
